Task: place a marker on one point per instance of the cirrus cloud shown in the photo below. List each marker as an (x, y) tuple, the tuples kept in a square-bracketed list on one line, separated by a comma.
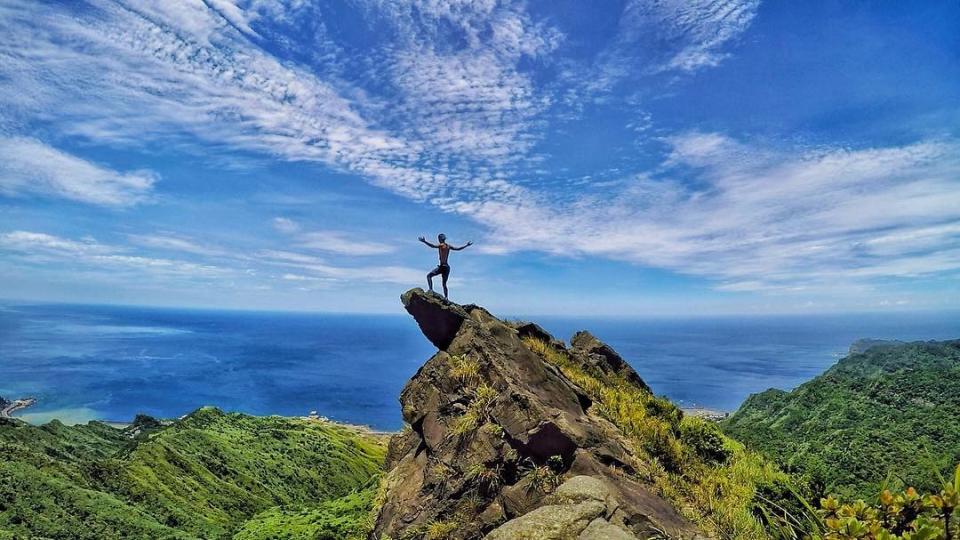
[(30, 167)]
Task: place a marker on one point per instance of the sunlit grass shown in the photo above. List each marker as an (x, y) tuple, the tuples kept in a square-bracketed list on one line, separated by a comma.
[(710, 478), (478, 411), (464, 369)]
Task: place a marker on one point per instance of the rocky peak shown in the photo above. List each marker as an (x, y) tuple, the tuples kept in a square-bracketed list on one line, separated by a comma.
[(494, 429), (603, 357), (439, 319)]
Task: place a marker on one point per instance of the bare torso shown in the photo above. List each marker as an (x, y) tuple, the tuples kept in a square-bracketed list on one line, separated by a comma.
[(444, 251)]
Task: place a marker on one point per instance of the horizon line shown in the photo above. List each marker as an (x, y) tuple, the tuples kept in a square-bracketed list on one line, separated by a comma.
[(899, 310)]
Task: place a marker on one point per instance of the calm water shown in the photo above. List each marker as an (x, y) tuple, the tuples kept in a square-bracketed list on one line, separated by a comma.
[(85, 362)]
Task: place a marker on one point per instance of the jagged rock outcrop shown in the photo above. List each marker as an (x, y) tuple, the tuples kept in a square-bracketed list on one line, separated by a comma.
[(494, 429), (604, 358)]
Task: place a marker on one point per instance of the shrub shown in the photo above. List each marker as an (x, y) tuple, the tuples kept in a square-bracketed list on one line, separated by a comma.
[(466, 424), (464, 369), (705, 438), (904, 515), (440, 530), (488, 478), (543, 479), (478, 411)]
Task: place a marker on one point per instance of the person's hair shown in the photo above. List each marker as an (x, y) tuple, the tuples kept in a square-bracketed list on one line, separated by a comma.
[(441, 237)]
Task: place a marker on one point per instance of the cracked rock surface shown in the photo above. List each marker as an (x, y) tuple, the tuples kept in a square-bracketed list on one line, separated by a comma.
[(502, 445)]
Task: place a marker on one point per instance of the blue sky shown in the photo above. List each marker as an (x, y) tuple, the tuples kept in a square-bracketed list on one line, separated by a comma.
[(607, 158)]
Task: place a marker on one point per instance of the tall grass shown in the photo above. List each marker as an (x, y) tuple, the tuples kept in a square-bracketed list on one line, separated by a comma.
[(711, 479)]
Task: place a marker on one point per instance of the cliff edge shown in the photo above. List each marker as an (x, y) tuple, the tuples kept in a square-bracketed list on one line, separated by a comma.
[(502, 444)]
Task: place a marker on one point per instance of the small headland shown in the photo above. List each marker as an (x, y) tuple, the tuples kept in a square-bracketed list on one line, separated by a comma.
[(7, 408)]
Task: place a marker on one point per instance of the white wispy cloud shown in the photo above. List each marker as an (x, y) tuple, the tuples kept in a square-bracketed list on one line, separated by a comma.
[(698, 29), (30, 167), (214, 264), (758, 218), (28, 241), (286, 225), (343, 243), (162, 72), (34, 247), (340, 242), (659, 37), (173, 242), (319, 268)]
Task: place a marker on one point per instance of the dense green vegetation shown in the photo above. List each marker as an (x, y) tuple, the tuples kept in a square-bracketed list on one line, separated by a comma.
[(209, 475), (345, 518), (889, 415)]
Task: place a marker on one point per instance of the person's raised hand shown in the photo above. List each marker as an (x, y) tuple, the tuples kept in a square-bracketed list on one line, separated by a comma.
[(469, 242), (422, 239)]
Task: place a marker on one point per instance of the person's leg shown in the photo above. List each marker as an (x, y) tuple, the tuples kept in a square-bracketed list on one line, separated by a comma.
[(432, 273), (445, 274)]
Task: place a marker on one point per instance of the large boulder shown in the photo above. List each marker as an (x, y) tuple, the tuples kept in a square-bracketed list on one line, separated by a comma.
[(551, 522), (493, 429), (578, 510)]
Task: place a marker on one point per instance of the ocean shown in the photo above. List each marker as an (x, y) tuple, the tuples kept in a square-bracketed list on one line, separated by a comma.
[(111, 363)]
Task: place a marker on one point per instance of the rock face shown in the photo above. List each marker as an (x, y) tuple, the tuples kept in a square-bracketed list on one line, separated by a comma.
[(494, 429)]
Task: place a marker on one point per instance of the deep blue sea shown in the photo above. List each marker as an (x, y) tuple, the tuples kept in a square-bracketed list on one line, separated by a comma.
[(110, 363)]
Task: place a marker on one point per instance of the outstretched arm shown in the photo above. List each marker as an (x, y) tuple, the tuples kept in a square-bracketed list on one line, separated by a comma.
[(422, 239), (468, 244)]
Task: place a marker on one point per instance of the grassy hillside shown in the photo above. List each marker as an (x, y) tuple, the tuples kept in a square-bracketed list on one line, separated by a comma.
[(204, 476), (890, 411), (713, 480)]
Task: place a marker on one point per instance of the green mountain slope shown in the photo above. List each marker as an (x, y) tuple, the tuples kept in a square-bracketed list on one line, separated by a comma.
[(204, 476), (891, 410)]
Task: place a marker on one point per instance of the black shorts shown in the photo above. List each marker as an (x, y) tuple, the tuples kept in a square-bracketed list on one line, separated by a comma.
[(441, 270)]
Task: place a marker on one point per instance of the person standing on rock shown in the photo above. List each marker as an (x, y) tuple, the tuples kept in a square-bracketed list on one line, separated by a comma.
[(443, 269)]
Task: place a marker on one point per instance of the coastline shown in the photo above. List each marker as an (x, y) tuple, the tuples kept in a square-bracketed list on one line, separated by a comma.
[(8, 408), (11, 407), (15, 405), (705, 413)]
